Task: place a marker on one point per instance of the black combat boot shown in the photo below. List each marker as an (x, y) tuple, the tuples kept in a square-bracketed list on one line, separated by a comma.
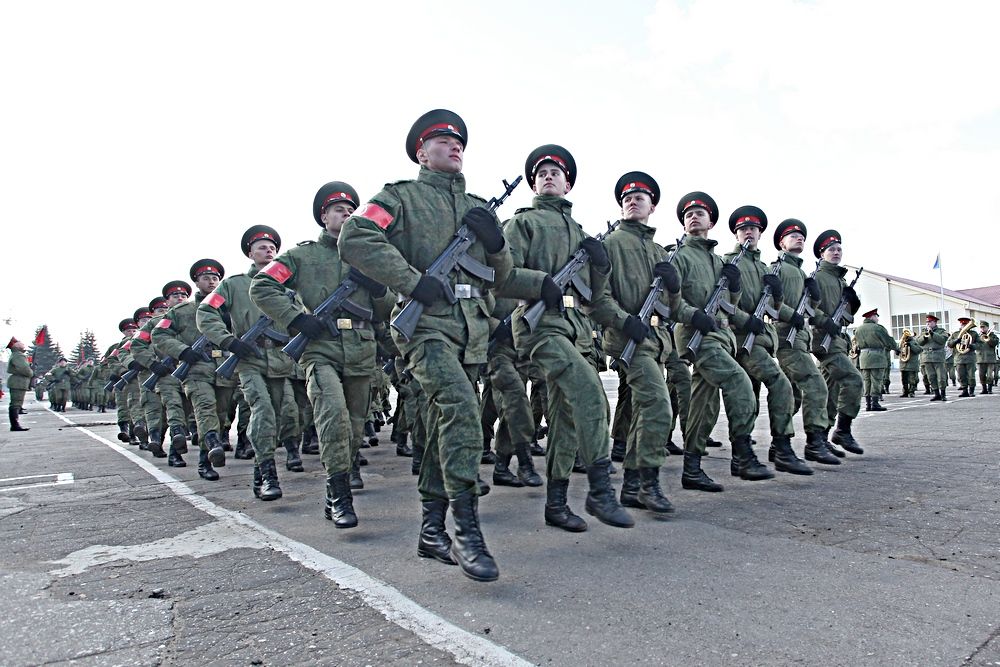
[(224, 439), (402, 446), (557, 512), (937, 395), (434, 541), (601, 501), (745, 464), (650, 494), (785, 459), (876, 406), (536, 449), (258, 481), (868, 403), (178, 439), (578, 464), (972, 390), (944, 396), (205, 469), (694, 477), (484, 488), (15, 424), (123, 431), (155, 448), (469, 548), (964, 394), (712, 443), (269, 488), (142, 435), (673, 449), (339, 501), (488, 457), (244, 450), (817, 450), (355, 478), (418, 457), (502, 476), (370, 435), (216, 454), (310, 441), (629, 496), (133, 439), (618, 450), (293, 461), (174, 459), (842, 435), (526, 467)]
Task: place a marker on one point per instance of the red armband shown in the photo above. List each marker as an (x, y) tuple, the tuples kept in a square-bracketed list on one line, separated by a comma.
[(215, 300), (376, 214), (278, 271)]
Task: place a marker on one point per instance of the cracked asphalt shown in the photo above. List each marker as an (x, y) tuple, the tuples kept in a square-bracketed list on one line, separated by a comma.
[(892, 558)]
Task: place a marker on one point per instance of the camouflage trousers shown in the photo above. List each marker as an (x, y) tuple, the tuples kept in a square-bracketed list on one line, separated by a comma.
[(488, 411), (872, 381), (210, 403), (763, 368), (17, 398), (966, 375), (152, 408), (646, 411), (679, 384), (510, 397), (171, 395), (936, 375), (264, 395), (987, 372), (715, 369), (910, 379), (340, 407), (843, 385), (299, 410), (800, 369)]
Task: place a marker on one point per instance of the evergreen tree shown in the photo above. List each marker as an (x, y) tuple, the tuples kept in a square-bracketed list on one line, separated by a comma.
[(85, 349), (44, 352)]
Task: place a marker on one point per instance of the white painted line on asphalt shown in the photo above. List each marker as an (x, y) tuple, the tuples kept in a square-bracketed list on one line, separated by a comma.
[(464, 646), (60, 479)]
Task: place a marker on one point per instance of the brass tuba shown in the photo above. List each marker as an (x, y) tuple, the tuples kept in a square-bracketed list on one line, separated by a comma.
[(904, 345), (965, 337), (855, 350)]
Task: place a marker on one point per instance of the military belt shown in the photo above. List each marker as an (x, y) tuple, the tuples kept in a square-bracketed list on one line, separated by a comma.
[(874, 349), (462, 291), (344, 323), (568, 301)]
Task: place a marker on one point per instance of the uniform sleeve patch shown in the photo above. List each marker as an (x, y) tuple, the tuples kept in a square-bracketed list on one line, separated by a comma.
[(278, 271), (127, 346), (164, 323), (215, 300), (115, 353), (143, 336), (376, 214)]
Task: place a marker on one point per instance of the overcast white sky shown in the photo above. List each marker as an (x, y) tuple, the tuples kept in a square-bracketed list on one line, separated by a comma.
[(139, 137)]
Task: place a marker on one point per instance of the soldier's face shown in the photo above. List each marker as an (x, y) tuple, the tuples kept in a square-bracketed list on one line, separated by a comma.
[(176, 298), (142, 321), (932, 325), (833, 253), (335, 216), (751, 233), (551, 180), (697, 222), (443, 153), (20, 346), (637, 206), (793, 243), (262, 252), (207, 282), (159, 312)]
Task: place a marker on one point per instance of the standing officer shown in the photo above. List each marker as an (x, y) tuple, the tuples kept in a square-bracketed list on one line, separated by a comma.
[(932, 340), (986, 356), (542, 239), (19, 381), (224, 316), (843, 380), (965, 343), (714, 367), (174, 336), (338, 368), (637, 262), (873, 341), (394, 238)]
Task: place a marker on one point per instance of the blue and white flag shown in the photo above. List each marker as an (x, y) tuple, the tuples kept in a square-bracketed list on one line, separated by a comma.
[(937, 261)]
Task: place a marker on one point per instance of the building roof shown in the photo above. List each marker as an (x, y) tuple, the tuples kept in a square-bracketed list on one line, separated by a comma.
[(990, 294), (972, 295)]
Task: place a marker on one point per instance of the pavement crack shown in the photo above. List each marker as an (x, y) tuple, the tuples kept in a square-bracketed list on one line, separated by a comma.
[(979, 649)]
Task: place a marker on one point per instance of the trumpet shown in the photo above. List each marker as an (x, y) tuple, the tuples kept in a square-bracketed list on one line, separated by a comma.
[(904, 345), (985, 337), (965, 337)]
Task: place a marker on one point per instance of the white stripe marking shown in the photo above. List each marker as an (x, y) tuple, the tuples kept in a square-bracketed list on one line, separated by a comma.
[(60, 479), (464, 646)]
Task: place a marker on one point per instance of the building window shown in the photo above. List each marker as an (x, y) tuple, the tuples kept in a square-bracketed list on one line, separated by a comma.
[(916, 322)]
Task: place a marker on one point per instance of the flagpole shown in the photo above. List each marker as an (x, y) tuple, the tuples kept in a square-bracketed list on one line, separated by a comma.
[(941, 283)]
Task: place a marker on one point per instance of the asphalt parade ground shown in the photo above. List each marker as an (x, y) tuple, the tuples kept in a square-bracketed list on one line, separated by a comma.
[(109, 557)]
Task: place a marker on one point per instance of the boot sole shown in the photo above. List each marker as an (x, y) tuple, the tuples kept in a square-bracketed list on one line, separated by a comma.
[(610, 522), (793, 471), (834, 462), (475, 577), (447, 559), (506, 482), (568, 529), (269, 498), (700, 487)]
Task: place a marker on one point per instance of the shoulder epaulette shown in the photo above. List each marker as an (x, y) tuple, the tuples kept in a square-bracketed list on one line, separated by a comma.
[(400, 182), (524, 210), (301, 243), (482, 199)]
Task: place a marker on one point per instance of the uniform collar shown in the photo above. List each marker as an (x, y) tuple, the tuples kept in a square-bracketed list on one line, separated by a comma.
[(441, 180), (640, 229), (327, 241), (252, 271), (794, 260), (552, 203), (704, 243), (838, 271), (749, 253)]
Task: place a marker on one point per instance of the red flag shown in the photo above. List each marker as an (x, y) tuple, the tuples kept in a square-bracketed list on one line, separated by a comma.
[(40, 338)]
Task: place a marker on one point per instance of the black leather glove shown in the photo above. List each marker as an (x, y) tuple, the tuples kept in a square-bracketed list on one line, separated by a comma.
[(827, 326), (635, 329), (551, 294), (731, 272), (668, 274), (312, 326), (159, 369), (502, 332), (242, 349), (190, 356), (115, 377), (134, 366), (374, 287), (852, 298), (797, 321), (774, 282), (703, 322), (480, 221), (754, 325), (428, 290), (812, 287), (598, 255)]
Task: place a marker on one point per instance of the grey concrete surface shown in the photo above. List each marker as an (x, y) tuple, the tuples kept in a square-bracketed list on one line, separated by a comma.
[(892, 558)]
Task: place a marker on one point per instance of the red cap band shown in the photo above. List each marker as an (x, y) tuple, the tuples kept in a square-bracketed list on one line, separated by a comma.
[(793, 228), (440, 128), (550, 158), (208, 268), (261, 235), (337, 196), (636, 185), (745, 219), (696, 202), (827, 242)]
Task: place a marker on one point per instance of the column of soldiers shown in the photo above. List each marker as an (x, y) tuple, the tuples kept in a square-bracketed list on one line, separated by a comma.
[(685, 325)]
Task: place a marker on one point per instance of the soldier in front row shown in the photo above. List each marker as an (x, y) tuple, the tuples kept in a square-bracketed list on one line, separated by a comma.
[(965, 342), (986, 356), (873, 342), (932, 340)]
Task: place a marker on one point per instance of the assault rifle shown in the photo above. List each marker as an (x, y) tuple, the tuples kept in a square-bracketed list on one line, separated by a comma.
[(149, 384), (804, 308), (340, 299), (568, 275), (764, 305), (453, 257), (715, 302), (198, 347), (127, 377), (651, 304), (262, 327), (838, 315)]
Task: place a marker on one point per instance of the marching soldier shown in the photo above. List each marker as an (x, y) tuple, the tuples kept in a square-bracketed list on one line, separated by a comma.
[(59, 385), (873, 342), (965, 342), (542, 239), (174, 336), (137, 404), (909, 363), (19, 381), (843, 380), (986, 356), (637, 262), (142, 354), (116, 364), (338, 367), (224, 316), (932, 340)]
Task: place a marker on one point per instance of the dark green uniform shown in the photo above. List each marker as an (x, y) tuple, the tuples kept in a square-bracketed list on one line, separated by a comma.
[(932, 343), (909, 368), (965, 359), (986, 357), (843, 380), (18, 382), (873, 342)]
